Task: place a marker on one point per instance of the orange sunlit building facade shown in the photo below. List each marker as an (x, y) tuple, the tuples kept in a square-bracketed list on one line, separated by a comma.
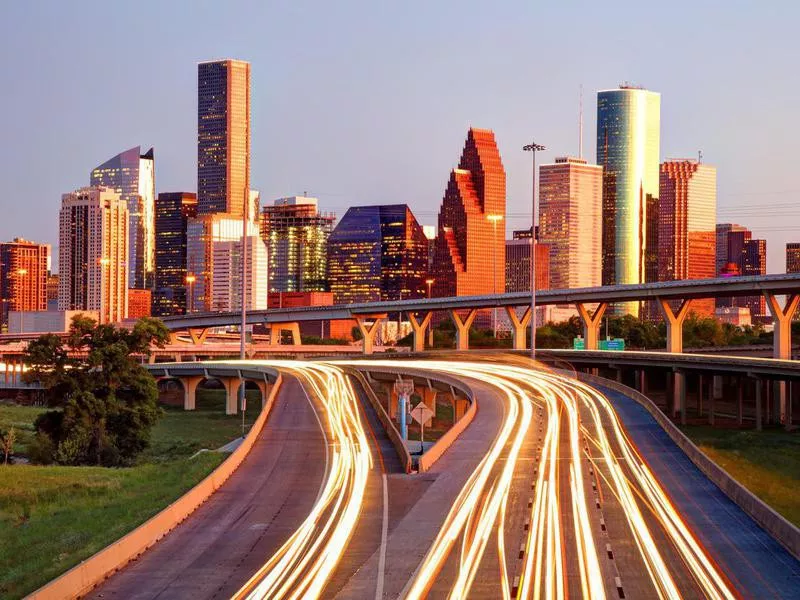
[(24, 267)]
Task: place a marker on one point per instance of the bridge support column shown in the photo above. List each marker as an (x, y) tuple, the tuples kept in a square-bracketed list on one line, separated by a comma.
[(151, 359), (641, 381), (679, 395), (717, 387), (428, 396), (782, 344), (276, 332), (460, 406), (369, 331), (462, 327), (198, 336), (231, 385), (759, 412), (740, 403), (700, 395), (519, 327), (419, 328), (190, 392), (264, 387), (591, 323), (674, 321)]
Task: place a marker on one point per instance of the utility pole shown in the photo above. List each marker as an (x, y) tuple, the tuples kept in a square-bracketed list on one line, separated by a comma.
[(243, 335)]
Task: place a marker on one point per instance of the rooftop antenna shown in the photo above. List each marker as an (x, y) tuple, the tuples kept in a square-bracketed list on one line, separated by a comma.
[(700, 156), (580, 123)]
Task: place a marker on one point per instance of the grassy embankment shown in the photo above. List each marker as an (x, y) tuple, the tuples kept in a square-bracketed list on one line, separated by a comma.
[(53, 517), (767, 463)]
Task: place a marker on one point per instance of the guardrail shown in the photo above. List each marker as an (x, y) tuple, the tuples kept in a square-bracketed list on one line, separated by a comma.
[(436, 451), (775, 524), (80, 579)]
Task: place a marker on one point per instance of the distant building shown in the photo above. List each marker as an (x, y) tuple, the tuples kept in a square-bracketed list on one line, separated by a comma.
[(750, 258), (296, 234), (52, 291), (223, 137), (93, 253), (518, 266), (469, 257), (723, 251), (338, 329), (24, 267), (139, 303), (687, 225), (173, 212), (570, 210), (226, 292), (377, 253), (754, 262), (628, 139), (793, 257), (49, 321), (132, 175), (735, 315)]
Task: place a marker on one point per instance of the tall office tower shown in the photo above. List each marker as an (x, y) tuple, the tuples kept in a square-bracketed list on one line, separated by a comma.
[(206, 235), (24, 267), (173, 211), (132, 175), (723, 251), (749, 257), (296, 234), (377, 253), (223, 136), (93, 253), (518, 265), (793, 257), (570, 209), (687, 217), (754, 262), (469, 257), (628, 138), (226, 292)]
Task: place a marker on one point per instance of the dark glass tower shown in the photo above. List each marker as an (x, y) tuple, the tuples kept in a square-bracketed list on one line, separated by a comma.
[(173, 211), (377, 253)]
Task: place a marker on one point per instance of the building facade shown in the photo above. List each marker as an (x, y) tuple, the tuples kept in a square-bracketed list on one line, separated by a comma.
[(93, 240), (793, 257), (173, 212), (140, 303), (518, 265), (628, 140), (132, 175), (570, 211), (296, 234), (469, 256), (742, 256), (687, 216), (377, 253), (24, 268), (223, 136)]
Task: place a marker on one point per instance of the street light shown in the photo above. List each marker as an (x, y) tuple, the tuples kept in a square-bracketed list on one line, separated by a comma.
[(190, 279), (533, 148), (105, 262), (494, 219), (429, 283)]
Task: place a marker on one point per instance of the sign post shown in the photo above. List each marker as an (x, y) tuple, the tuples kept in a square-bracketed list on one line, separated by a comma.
[(404, 389), (421, 413)]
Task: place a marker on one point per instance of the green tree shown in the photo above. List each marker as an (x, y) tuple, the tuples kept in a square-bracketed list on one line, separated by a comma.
[(106, 402)]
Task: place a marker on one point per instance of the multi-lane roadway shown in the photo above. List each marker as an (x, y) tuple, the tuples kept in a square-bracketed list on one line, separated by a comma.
[(545, 494)]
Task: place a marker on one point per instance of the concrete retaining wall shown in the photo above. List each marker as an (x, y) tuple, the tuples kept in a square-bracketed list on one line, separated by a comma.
[(777, 526), (80, 580), (435, 452)]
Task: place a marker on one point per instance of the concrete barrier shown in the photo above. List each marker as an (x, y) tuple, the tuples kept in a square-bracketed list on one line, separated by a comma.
[(80, 579), (435, 452), (386, 421), (776, 525)]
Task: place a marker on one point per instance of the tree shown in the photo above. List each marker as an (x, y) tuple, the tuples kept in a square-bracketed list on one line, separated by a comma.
[(7, 439), (106, 401)]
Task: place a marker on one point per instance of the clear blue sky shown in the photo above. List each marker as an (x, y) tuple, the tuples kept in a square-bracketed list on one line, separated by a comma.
[(369, 102)]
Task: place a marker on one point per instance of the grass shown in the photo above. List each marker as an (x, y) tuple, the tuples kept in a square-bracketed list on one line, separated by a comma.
[(767, 463), (21, 418), (53, 517)]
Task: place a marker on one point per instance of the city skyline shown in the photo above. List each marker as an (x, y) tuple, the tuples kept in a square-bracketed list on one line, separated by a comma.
[(695, 114)]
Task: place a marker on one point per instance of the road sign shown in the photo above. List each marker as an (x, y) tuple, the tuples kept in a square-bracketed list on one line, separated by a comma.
[(615, 344), (421, 413), (578, 343)]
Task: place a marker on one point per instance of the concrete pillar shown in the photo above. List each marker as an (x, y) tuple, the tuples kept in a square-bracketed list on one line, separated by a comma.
[(782, 338), (177, 357), (780, 402), (789, 400), (674, 323), (428, 396), (740, 403), (276, 331), (190, 391), (264, 387), (700, 395), (519, 327), (717, 391), (462, 327), (198, 335), (419, 327), (759, 388), (231, 385), (369, 330), (151, 359), (679, 395), (618, 371), (643, 381), (460, 406), (591, 323)]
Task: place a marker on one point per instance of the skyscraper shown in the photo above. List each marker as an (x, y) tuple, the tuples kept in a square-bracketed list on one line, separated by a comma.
[(223, 136), (173, 211), (132, 175), (745, 256), (570, 209), (469, 256), (518, 265), (793, 257), (377, 253), (687, 216), (296, 234), (628, 138), (754, 262), (93, 253), (24, 268), (723, 250)]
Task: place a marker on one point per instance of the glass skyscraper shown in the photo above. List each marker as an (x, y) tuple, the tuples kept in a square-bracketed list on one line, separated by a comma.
[(377, 253), (223, 136), (132, 175), (173, 211), (628, 140)]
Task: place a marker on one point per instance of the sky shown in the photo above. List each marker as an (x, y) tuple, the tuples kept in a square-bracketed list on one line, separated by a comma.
[(365, 102)]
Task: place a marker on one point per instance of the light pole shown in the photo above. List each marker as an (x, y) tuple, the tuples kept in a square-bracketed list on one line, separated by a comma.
[(533, 148), (429, 283), (242, 334), (190, 279), (494, 219), (105, 262)]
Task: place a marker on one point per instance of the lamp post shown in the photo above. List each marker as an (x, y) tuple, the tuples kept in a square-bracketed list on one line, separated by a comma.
[(494, 219), (429, 283), (533, 148), (190, 279), (242, 334), (105, 262)]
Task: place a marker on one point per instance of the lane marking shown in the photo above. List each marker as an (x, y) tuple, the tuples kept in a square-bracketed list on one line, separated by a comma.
[(384, 536)]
